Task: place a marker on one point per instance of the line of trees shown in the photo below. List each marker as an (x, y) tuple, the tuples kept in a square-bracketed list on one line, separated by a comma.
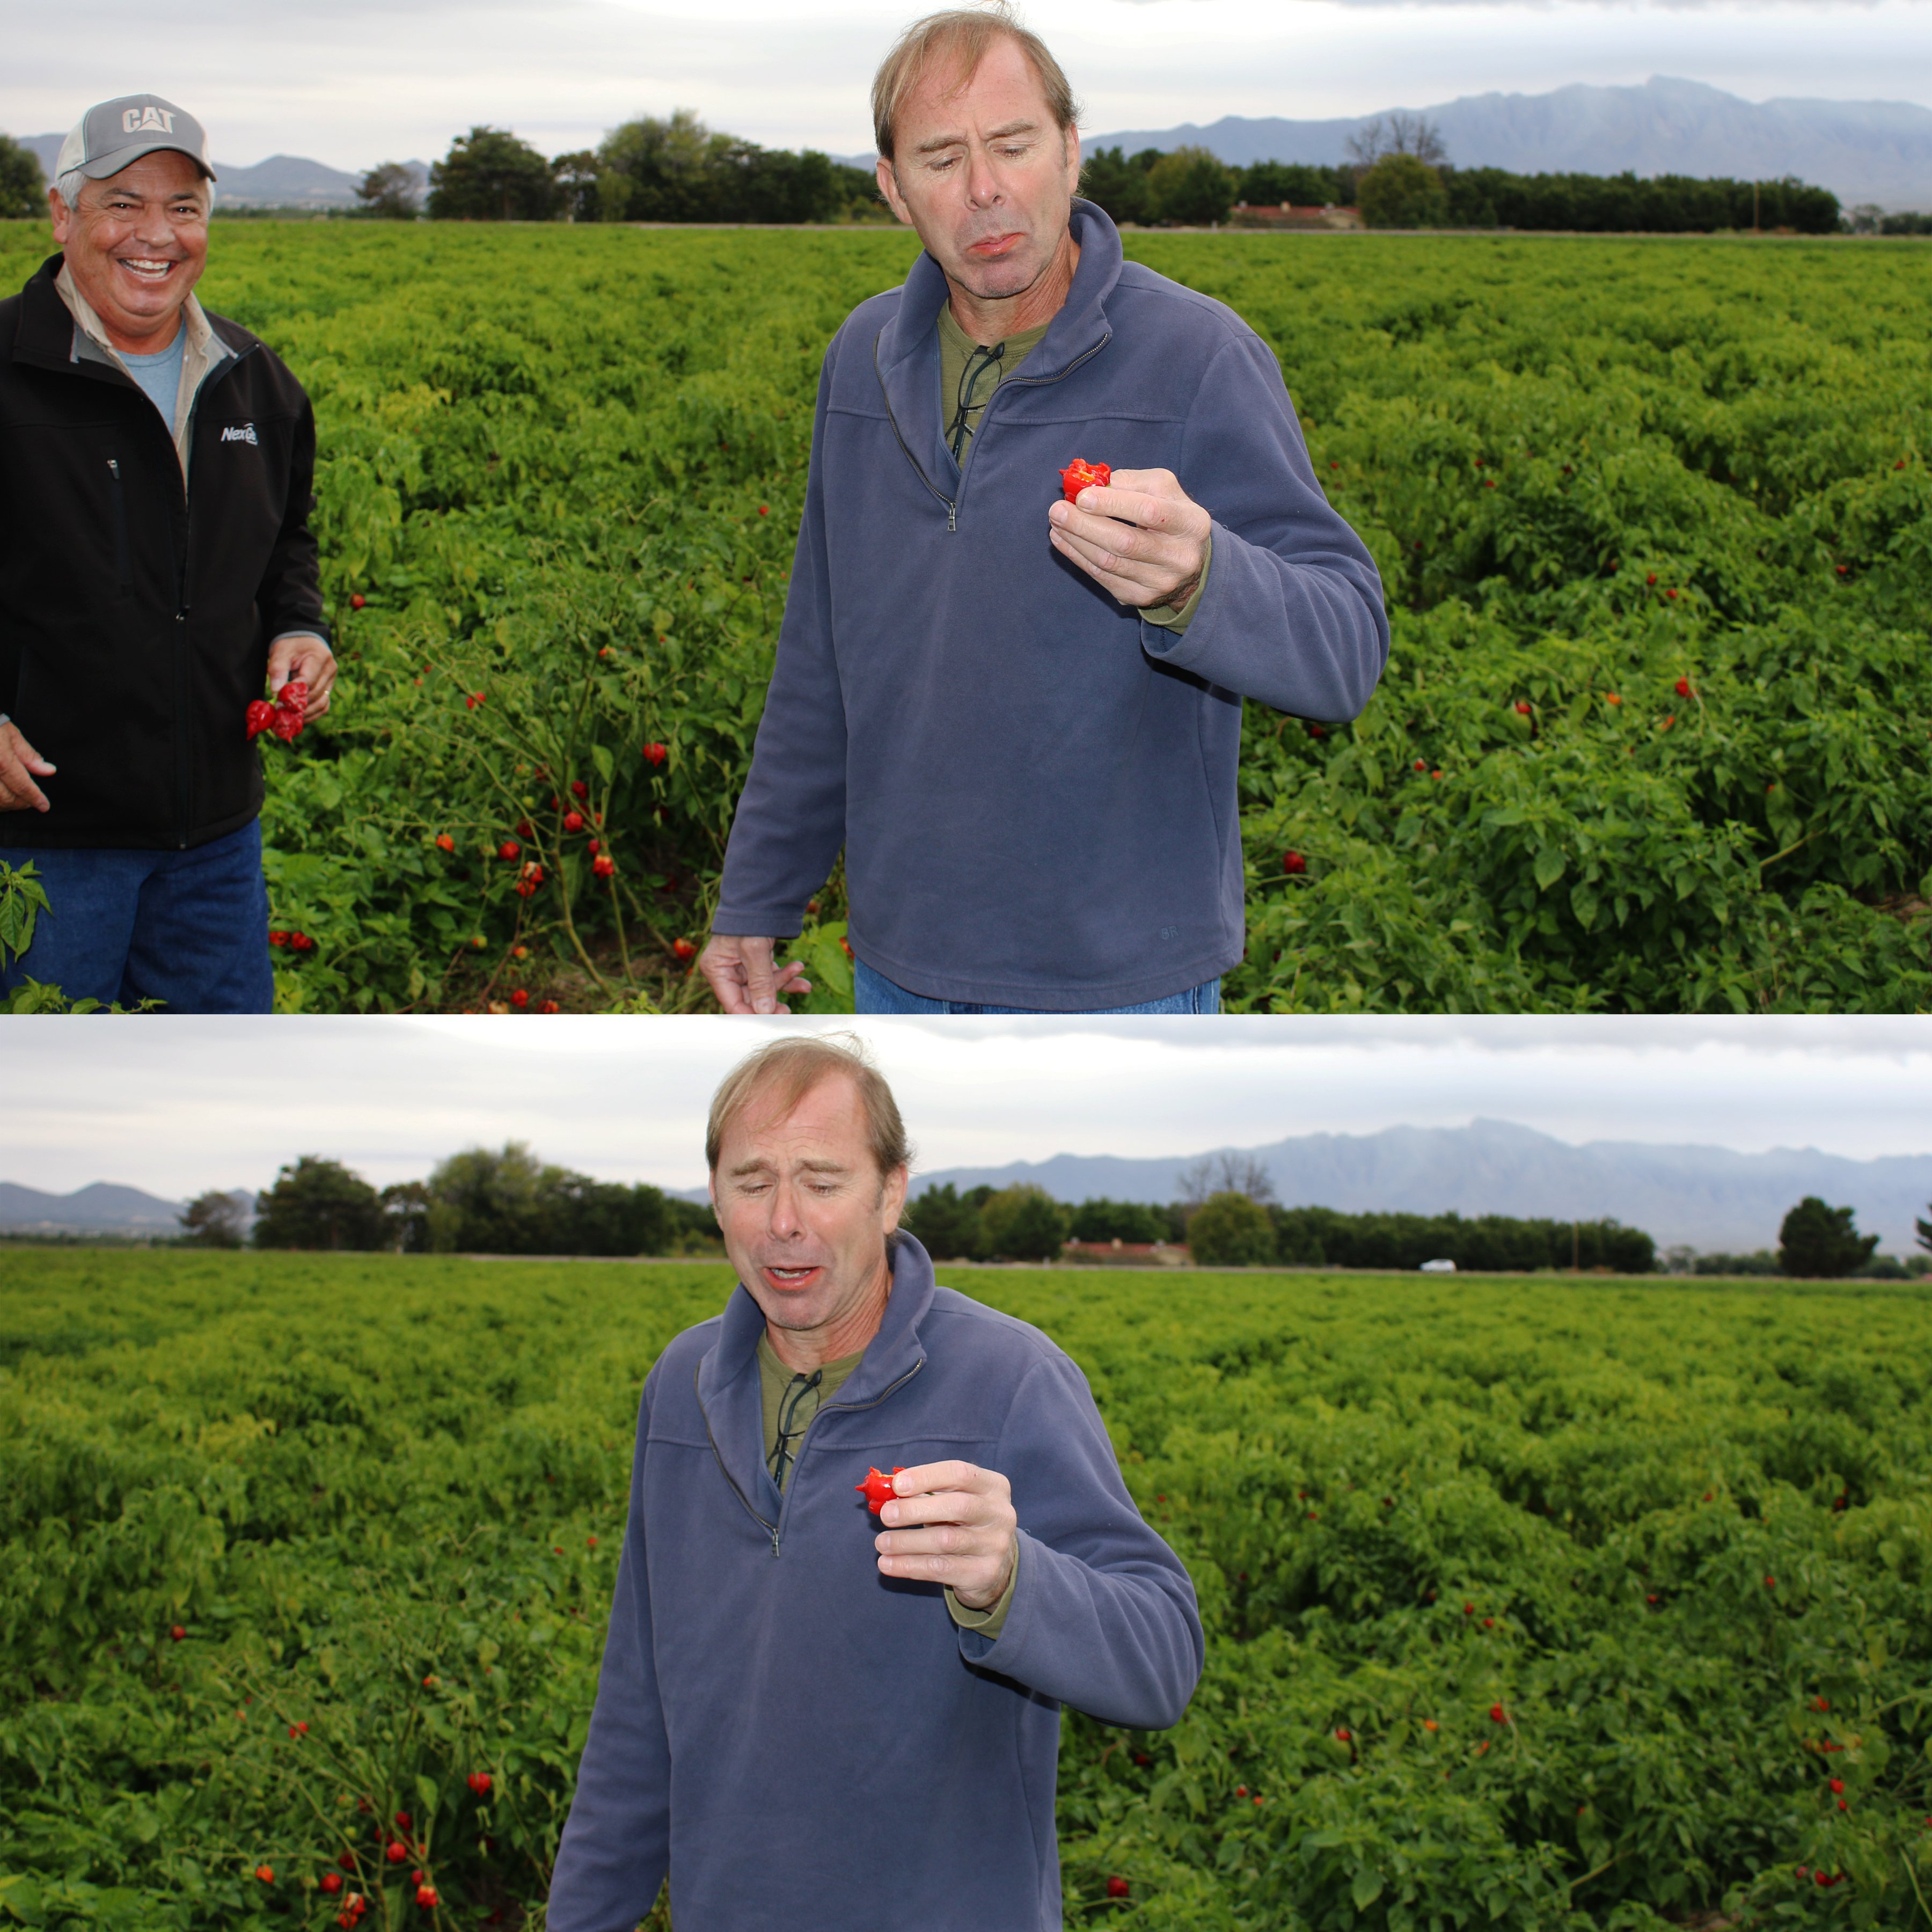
[(649, 170), (1232, 1229), (508, 1201), (480, 1201), (1401, 179)]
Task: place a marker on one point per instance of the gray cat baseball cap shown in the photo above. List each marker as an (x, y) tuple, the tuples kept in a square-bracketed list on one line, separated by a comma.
[(117, 134)]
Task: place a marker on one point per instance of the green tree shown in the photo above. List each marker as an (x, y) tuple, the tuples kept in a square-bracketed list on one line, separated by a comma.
[(576, 176), (1230, 1231), (1400, 191), (1819, 1242), (1288, 184), (391, 192), (23, 188), (213, 1220), (1023, 1223), (1105, 1220), (945, 1223), (1924, 1228), (1117, 184), (489, 175), (319, 1204), (1190, 186)]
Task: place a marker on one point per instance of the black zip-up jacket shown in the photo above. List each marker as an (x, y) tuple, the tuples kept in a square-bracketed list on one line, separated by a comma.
[(136, 617)]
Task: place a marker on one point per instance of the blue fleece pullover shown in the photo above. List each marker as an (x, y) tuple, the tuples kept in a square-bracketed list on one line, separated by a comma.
[(1035, 790), (806, 1744)]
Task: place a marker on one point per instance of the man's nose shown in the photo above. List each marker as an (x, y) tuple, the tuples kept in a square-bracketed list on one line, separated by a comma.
[(983, 184), (784, 1218)]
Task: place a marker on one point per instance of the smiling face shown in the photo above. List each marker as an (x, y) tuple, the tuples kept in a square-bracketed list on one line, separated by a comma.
[(806, 1214), (135, 246), (985, 175)]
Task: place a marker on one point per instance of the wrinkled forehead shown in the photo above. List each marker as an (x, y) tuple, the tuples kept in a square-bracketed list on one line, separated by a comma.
[(781, 1120)]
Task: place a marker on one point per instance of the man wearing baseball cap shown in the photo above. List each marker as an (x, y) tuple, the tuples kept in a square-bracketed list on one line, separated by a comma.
[(157, 571)]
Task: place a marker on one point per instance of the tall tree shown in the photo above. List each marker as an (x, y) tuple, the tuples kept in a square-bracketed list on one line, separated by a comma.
[(214, 1220), (1229, 1230), (1228, 1172), (489, 175), (1819, 1241), (1191, 188), (1924, 1230), (319, 1204), (1023, 1224), (23, 188), (945, 1223), (391, 191), (1401, 191), (1398, 134)]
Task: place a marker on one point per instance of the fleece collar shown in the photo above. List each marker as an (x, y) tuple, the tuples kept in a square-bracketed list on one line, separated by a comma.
[(728, 1375)]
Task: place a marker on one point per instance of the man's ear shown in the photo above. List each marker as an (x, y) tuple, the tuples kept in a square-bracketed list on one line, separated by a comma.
[(59, 214), (892, 1194), (887, 175)]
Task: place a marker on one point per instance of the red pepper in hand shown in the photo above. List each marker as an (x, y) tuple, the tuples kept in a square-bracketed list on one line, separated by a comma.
[(261, 716), (284, 717), (878, 1488), (1080, 474)]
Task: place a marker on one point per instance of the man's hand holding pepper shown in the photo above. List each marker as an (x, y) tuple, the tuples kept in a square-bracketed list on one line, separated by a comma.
[(301, 655), (1140, 537), (965, 1532), (20, 764)]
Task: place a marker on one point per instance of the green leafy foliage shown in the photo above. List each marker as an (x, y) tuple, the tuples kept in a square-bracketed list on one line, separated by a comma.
[(1402, 191), (1549, 1606), (1819, 1241), (1653, 519)]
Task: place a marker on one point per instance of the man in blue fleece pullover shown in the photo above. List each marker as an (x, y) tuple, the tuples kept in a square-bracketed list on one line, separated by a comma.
[(1021, 717), (807, 1717)]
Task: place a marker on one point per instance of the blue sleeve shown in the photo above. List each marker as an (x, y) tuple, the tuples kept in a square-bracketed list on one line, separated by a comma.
[(1102, 1616), (1292, 613), (616, 1848), (790, 820)]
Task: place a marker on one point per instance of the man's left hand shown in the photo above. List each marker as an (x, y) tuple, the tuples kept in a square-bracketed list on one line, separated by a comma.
[(967, 1539), (309, 659), (1141, 537)]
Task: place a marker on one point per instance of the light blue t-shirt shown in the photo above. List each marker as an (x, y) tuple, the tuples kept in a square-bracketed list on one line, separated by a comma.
[(159, 375)]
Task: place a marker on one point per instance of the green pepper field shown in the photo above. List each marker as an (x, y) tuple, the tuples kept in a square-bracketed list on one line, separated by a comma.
[(1655, 519), (1536, 1602)]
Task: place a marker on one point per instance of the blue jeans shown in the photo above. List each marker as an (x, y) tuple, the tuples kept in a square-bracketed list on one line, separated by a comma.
[(874, 993), (190, 929)]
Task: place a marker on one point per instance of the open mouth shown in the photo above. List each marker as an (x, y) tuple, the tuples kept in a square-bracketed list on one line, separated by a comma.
[(791, 1279), (146, 268)]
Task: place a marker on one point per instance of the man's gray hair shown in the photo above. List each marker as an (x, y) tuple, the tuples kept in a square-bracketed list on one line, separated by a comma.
[(962, 35), (69, 185)]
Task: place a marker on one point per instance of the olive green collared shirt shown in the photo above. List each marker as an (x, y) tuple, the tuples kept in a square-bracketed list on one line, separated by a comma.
[(789, 1401), (969, 373)]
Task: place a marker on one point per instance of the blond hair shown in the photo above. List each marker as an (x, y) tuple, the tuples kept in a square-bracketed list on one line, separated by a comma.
[(960, 36), (787, 1070)]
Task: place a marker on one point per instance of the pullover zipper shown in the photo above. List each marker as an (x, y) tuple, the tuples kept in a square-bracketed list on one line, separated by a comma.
[(751, 1509), (953, 501)]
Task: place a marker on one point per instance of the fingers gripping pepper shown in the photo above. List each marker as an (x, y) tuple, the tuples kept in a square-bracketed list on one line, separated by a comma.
[(1080, 474), (878, 1488)]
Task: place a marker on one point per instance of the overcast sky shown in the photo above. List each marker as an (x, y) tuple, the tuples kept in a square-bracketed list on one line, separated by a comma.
[(354, 81), (176, 1105)]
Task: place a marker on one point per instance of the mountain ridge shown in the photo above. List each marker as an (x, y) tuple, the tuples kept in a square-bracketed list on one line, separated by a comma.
[(1875, 152), (1709, 1198)]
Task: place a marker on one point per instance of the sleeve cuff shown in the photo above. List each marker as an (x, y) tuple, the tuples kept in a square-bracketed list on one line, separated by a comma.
[(986, 1623), (1169, 618)]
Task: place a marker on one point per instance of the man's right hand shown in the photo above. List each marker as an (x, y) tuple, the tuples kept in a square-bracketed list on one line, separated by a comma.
[(20, 764), (744, 979)]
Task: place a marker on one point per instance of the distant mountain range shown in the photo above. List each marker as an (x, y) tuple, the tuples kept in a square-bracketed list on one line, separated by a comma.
[(283, 180), (101, 1209), (1877, 151), (1707, 1198)]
